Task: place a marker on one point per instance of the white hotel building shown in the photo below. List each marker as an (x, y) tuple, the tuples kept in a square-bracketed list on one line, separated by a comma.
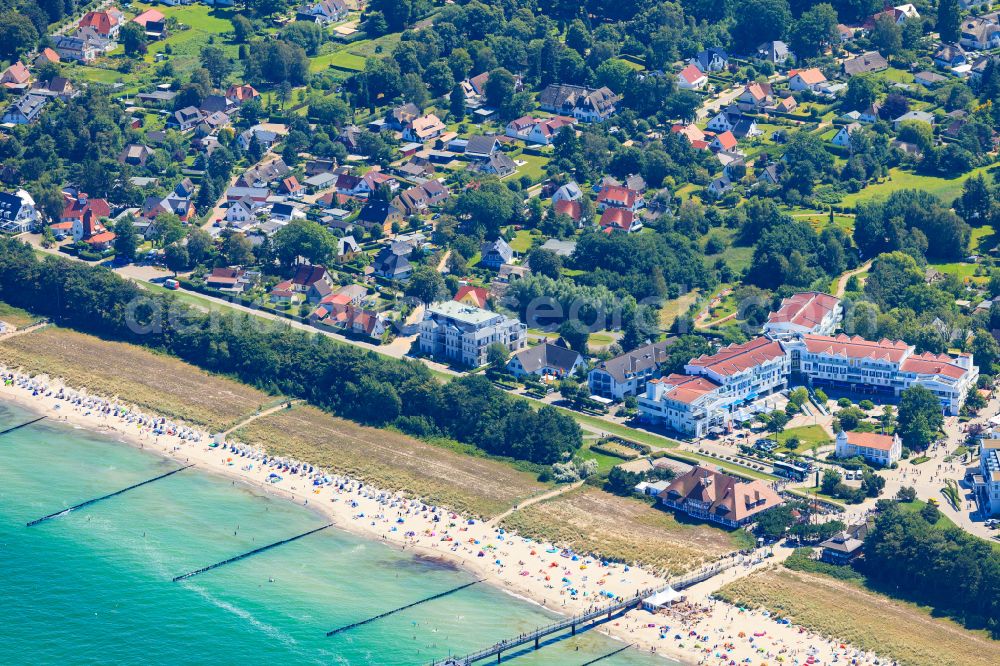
[(717, 389), (987, 482), (885, 367)]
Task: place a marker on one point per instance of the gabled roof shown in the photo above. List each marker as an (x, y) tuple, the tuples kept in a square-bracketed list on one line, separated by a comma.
[(635, 361), (726, 496), (686, 388), (870, 440), (306, 275), (856, 347), (478, 294), (810, 76), (154, 15), (735, 359), (617, 218), (691, 74), (806, 309), (547, 355), (571, 208), (102, 22), (726, 140)]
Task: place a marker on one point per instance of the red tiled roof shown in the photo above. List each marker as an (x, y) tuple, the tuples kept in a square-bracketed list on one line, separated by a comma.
[(726, 496), (103, 237), (810, 76), (932, 364), (74, 209), (734, 359), (618, 196), (727, 140), (571, 208), (806, 309), (101, 22), (49, 55), (691, 74), (478, 293), (619, 218), (856, 347), (687, 388), (870, 440), (153, 15)]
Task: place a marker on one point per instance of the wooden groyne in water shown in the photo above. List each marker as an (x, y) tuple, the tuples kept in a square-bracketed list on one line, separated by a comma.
[(453, 590), (243, 556), (23, 425), (104, 497)]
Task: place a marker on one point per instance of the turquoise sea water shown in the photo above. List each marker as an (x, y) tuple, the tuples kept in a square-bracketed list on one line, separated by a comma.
[(94, 586)]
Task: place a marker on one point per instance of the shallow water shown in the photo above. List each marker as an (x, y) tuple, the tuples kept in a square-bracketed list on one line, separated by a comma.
[(94, 586)]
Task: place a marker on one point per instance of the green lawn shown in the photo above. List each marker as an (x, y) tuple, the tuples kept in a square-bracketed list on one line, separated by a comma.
[(94, 74), (603, 460), (206, 25), (338, 60), (982, 237), (966, 272), (944, 188), (521, 242), (534, 166), (807, 435)]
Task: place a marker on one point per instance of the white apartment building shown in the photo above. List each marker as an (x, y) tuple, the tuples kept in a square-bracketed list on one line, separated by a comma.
[(987, 482), (717, 389), (808, 312), (462, 333), (745, 372), (886, 367), (878, 449)]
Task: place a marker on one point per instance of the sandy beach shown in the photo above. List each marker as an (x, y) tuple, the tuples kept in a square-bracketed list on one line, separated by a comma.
[(700, 630)]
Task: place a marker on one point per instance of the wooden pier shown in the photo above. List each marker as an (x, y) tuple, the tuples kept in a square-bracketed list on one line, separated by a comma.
[(576, 623)]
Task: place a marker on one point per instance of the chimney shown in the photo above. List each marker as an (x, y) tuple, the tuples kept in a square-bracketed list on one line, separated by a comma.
[(88, 223)]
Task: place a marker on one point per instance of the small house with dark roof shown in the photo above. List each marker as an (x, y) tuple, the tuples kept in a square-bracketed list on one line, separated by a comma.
[(495, 253), (545, 360)]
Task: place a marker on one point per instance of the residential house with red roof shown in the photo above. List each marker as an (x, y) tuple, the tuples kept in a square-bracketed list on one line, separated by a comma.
[(77, 207), (883, 450), (573, 209), (724, 142), (617, 196), (474, 296), (807, 312), (544, 132), (691, 78), (16, 77), (46, 55), (620, 219), (806, 79), (238, 94), (710, 495), (104, 23)]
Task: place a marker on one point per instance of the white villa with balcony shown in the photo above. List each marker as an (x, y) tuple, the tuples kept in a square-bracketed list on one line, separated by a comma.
[(462, 333)]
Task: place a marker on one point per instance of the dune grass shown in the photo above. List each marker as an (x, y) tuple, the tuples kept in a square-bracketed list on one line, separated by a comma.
[(16, 316), (589, 520), (867, 620), (393, 461), (151, 381)]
